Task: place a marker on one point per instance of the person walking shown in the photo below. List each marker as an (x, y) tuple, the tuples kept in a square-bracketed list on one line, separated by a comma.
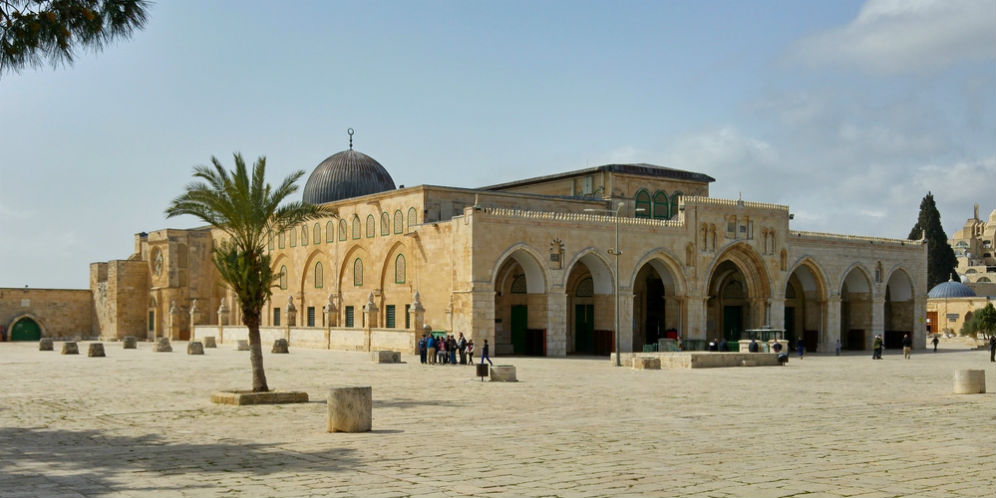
[(934, 342), (907, 346), (836, 347), (470, 352), (877, 348), (484, 353), (430, 344), (800, 346)]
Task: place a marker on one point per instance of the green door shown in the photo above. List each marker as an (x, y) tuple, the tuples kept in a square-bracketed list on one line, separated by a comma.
[(25, 330), (584, 328), (733, 322), (520, 317)]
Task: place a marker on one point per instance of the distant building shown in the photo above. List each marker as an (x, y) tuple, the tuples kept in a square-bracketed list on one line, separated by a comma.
[(975, 249)]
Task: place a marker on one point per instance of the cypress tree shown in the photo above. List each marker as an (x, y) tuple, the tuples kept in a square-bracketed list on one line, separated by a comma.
[(941, 262)]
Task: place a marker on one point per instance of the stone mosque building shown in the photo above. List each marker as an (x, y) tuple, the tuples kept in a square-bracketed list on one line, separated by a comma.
[(528, 264)]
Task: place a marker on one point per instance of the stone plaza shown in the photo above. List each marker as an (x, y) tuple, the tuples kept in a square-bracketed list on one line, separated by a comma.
[(140, 423)]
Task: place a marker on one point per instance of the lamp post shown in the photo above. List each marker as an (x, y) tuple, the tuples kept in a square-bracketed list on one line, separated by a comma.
[(616, 252)]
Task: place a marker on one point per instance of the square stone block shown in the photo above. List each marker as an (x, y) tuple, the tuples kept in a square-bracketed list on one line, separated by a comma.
[(70, 348), (503, 373), (130, 342), (163, 345), (251, 398), (45, 344), (385, 357), (242, 345), (209, 342), (280, 347), (96, 350), (195, 347), (350, 409), (646, 363)]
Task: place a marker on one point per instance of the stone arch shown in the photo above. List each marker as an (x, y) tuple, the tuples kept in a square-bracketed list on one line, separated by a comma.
[(516, 328), (898, 308), (395, 296), (856, 291), (589, 287), (529, 258), (658, 288), (26, 318), (311, 299), (737, 289), (805, 304), (599, 267)]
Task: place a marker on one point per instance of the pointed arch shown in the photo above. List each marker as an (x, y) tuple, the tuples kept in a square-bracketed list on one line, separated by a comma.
[(661, 205), (356, 227), (860, 281), (385, 224), (642, 201), (330, 231), (399, 222), (342, 230), (529, 259), (813, 278), (387, 268), (750, 264), (27, 316), (412, 218), (665, 264), (371, 226)]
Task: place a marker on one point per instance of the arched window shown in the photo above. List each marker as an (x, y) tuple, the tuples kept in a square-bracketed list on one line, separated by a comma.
[(642, 202), (293, 236), (399, 222), (518, 285), (358, 273), (317, 234), (371, 226), (330, 231), (342, 230), (412, 218), (356, 227), (283, 278), (280, 240), (399, 269), (269, 240), (385, 224), (660, 206), (304, 235), (319, 275), (674, 205), (586, 288)]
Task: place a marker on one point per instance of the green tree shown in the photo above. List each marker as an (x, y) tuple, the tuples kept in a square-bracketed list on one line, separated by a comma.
[(970, 327), (35, 31), (247, 210), (941, 262), (987, 320)]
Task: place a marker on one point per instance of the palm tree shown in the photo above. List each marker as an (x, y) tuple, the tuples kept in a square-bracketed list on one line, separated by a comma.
[(248, 210)]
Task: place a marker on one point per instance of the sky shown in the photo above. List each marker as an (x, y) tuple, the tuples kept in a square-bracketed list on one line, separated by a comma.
[(849, 112)]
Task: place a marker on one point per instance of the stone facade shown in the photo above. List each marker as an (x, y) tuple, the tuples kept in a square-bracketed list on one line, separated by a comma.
[(57, 312), (975, 248)]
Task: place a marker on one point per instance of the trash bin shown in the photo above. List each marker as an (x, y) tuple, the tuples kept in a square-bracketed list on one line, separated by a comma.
[(482, 370)]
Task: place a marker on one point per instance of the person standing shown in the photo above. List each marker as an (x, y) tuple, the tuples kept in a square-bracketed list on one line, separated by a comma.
[(907, 346), (421, 349), (484, 353), (462, 346), (470, 352), (836, 347), (451, 346), (934, 342), (877, 348), (430, 344), (753, 347), (992, 348), (800, 346)]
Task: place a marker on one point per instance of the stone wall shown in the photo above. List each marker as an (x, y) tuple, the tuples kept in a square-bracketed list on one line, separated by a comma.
[(59, 312)]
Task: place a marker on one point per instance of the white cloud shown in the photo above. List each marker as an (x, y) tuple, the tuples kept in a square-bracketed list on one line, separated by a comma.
[(901, 36)]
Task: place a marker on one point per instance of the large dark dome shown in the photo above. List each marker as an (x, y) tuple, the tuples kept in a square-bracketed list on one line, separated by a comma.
[(346, 174)]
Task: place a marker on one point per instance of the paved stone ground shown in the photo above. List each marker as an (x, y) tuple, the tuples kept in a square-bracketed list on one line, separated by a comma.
[(139, 423)]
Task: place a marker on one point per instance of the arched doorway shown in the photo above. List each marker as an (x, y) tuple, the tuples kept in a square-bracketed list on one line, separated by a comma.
[(589, 305), (519, 287), (25, 329), (656, 305), (898, 311), (805, 306), (738, 291), (856, 311)]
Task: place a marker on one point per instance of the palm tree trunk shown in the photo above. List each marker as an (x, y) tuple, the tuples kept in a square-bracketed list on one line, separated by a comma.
[(256, 355)]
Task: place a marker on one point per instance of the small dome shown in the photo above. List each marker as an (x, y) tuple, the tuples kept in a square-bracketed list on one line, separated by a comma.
[(950, 289), (346, 174)]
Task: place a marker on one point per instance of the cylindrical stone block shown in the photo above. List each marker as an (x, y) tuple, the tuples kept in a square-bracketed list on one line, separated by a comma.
[(503, 373), (96, 350), (130, 342), (969, 381), (350, 409), (242, 345), (209, 342), (195, 347), (163, 345), (280, 346), (70, 348), (45, 344)]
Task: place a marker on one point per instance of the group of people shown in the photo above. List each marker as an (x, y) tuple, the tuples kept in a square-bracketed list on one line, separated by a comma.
[(447, 350)]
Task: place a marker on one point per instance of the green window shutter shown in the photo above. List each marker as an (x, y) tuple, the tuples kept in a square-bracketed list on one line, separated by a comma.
[(276, 317), (642, 202), (408, 320), (660, 211), (349, 316), (311, 316), (390, 316)]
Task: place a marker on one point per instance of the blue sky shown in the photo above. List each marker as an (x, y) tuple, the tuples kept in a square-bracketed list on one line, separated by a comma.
[(849, 112)]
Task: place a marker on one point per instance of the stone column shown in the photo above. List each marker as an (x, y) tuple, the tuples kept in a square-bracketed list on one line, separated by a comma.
[(291, 318), (556, 322), (370, 312), (831, 321), (174, 321), (776, 313), (625, 320), (696, 310), (222, 319), (329, 311), (877, 320), (416, 320), (482, 321), (193, 317)]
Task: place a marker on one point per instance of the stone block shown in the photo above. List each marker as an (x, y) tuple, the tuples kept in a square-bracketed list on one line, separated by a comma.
[(385, 357), (969, 381), (280, 347), (70, 347), (503, 373), (242, 345), (195, 347), (251, 398), (350, 409), (646, 363), (163, 345), (45, 344), (130, 342), (209, 342), (96, 350)]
